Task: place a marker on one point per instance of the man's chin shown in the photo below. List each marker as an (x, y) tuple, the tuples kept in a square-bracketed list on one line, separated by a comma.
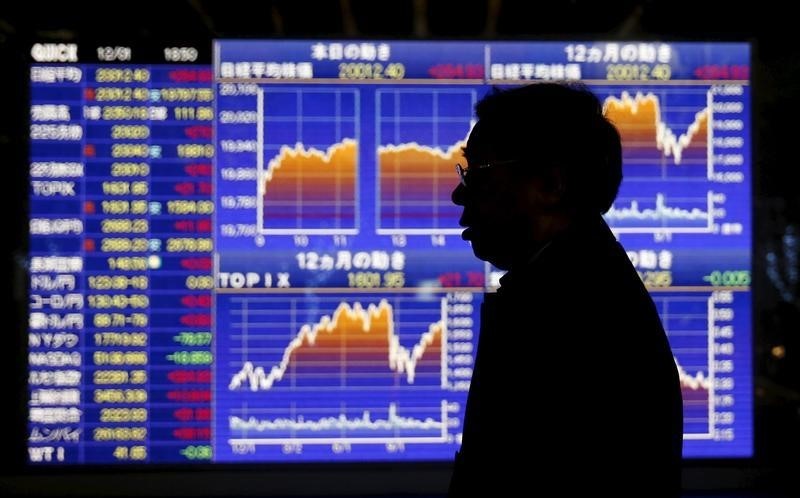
[(481, 251), (489, 254)]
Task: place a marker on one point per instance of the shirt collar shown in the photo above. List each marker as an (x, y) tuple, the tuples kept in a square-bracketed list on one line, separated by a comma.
[(506, 280)]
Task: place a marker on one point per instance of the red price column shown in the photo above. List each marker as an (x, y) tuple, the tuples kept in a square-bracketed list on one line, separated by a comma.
[(182, 207)]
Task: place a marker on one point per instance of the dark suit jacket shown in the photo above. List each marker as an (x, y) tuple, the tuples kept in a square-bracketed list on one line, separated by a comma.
[(575, 388)]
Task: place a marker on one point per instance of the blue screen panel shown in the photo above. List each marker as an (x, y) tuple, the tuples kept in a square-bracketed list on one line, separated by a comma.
[(259, 261)]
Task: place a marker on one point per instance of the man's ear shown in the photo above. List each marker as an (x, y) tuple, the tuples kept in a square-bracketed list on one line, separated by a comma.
[(550, 186)]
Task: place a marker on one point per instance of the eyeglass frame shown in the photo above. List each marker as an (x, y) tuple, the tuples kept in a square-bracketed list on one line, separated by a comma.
[(462, 171)]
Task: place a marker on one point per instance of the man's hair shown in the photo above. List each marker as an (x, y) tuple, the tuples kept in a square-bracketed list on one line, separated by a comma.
[(562, 126)]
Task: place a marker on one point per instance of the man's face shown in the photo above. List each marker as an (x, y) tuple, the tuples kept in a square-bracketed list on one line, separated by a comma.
[(493, 201)]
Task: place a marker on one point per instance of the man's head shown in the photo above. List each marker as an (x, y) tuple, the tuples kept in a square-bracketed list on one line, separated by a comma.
[(539, 157)]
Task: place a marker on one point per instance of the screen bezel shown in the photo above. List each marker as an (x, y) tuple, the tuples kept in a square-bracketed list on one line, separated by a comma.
[(305, 477)]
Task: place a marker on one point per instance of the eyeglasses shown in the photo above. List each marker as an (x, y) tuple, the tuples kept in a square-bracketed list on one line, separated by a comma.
[(462, 171)]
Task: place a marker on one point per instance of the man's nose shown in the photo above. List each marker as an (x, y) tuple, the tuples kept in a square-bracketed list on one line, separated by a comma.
[(459, 195)]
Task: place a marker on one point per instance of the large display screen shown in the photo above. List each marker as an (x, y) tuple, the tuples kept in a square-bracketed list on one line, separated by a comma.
[(257, 260)]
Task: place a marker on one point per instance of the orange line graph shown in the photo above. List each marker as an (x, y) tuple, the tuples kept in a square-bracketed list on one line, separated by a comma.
[(699, 381), (418, 172), (351, 338), (303, 174), (641, 126)]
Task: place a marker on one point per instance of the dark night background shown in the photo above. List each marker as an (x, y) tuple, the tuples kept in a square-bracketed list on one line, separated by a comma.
[(770, 27)]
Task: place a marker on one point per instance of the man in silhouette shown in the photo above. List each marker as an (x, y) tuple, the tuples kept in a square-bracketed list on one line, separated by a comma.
[(575, 389)]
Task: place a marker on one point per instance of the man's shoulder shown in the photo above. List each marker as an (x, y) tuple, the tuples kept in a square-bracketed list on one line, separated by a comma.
[(589, 279), (588, 257)]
